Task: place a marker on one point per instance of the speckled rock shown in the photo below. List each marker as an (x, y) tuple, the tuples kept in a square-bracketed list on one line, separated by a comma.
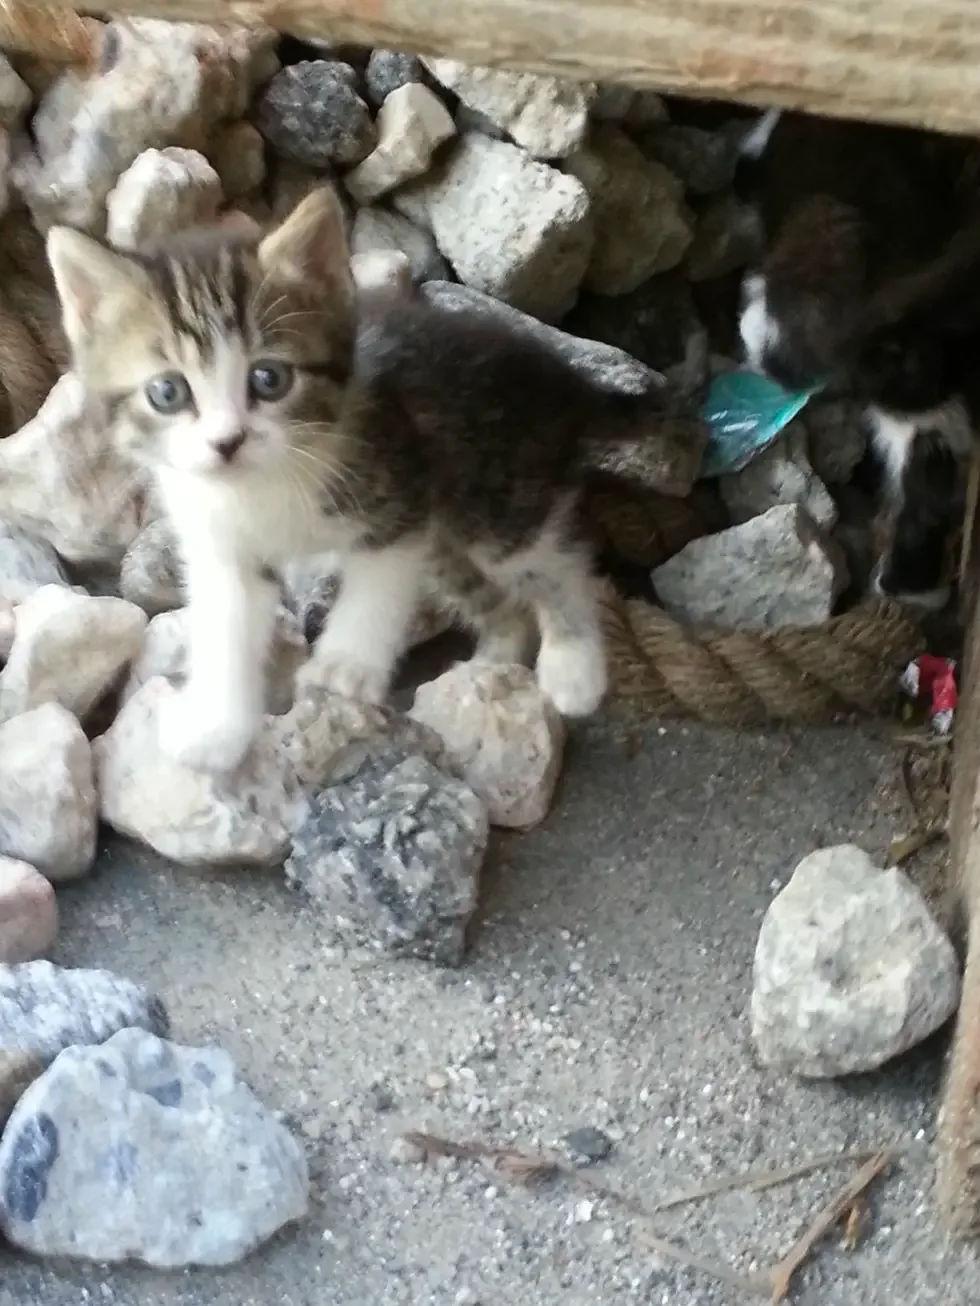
[(836, 438), (396, 848), (160, 193), (312, 113), (48, 806), (703, 161), (26, 564), (151, 571), (545, 115), (45, 1009), (655, 324), (68, 648), (386, 71), (145, 1150), (411, 125), (774, 570), (624, 104), (851, 970), (503, 734), (640, 227), (379, 230), (510, 226), (28, 912), (779, 474)]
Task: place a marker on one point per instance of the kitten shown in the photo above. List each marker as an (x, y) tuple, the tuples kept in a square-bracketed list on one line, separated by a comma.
[(284, 414)]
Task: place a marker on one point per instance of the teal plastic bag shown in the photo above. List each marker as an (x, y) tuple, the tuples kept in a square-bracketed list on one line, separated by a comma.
[(744, 413)]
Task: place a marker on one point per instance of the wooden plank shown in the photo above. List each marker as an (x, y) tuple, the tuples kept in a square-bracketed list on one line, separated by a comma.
[(911, 61)]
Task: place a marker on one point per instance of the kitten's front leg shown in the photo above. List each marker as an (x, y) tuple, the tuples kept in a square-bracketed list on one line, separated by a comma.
[(231, 615), (367, 629)]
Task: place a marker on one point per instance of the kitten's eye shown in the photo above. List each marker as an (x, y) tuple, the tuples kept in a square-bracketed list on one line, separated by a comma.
[(168, 393), (270, 380)]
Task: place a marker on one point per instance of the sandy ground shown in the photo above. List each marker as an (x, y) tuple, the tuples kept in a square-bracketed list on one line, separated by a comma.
[(607, 985)]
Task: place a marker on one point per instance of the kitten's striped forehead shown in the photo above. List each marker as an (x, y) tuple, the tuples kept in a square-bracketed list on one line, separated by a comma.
[(208, 298)]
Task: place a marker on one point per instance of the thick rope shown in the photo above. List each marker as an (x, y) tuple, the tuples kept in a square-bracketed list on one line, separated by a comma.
[(808, 674)]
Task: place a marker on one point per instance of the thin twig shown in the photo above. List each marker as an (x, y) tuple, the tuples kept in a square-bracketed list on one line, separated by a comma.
[(782, 1273), (758, 1181), (759, 1284)]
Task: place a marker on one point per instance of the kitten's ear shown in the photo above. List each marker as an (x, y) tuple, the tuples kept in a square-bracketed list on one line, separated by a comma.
[(89, 278), (310, 247)]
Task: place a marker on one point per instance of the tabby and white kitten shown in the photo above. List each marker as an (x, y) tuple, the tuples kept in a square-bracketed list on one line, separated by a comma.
[(285, 415)]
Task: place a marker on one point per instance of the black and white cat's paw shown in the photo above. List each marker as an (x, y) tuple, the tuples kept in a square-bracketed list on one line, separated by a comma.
[(573, 674), (339, 674), (885, 585), (194, 734)]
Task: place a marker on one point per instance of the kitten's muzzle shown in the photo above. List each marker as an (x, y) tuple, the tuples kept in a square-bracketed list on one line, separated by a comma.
[(228, 447)]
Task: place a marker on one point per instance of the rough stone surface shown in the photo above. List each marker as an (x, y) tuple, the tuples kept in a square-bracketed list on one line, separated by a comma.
[(775, 570), (15, 96), (836, 438), (45, 1009), (144, 1150), (26, 564), (851, 970), (28, 912), (655, 324), (396, 847), (237, 154), (377, 230), (728, 235), (411, 125), (48, 805), (662, 440), (68, 648), (164, 653), (545, 115), (623, 104), (504, 735), (387, 71), (151, 571), (247, 818), (510, 226), (61, 479), (704, 161), (313, 114), (167, 84), (780, 474), (640, 228), (162, 192)]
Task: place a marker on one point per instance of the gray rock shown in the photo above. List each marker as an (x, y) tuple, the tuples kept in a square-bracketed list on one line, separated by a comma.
[(661, 442), (45, 1009), (545, 115), (48, 805), (411, 125), (624, 104), (774, 570), (161, 192), (26, 564), (588, 1143), (837, 439), (640, 227), (851, 970), (728, 236), (28, 912), (397, 847), (377, 230), (510, 226), (151, 574), (779, 474), (703, 160), (313, 114), (654, 324), (386, 71), (143, 1150)]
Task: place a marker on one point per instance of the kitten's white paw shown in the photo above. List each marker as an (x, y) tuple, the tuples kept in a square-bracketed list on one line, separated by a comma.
[(573, 675), (194, 735), (346, 677)]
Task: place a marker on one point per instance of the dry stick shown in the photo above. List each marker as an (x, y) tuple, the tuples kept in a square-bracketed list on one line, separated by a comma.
[(523, 1168), (781, 1275)]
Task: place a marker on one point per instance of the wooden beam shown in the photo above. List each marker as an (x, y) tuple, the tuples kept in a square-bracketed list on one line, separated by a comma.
[(907, 61)]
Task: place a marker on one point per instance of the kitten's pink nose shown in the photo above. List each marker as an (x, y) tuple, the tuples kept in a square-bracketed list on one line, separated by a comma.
[(228, 447)]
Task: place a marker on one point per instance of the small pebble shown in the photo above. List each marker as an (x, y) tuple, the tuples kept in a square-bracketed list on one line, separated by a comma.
[(583, 1212), (588, 1143), (404, 1152)]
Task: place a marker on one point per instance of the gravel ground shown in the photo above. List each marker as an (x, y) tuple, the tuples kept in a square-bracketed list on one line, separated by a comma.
[(607, 987)]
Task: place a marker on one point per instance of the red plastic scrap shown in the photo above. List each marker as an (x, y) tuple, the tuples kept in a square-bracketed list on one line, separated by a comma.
[(936, 677)]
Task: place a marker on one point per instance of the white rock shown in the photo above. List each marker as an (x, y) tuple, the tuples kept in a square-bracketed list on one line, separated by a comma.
[(850, 969), (28, 912), (774, 570), (249, 817), (780, 474), (48, 807), (161, 193), (510, 226), (140, 1149), (61, 479), (549, 117), (26, 563), (640, 228), (151, 574), (411, 124), (164, 653), (378, 231), (502, 733), (68, 648)]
